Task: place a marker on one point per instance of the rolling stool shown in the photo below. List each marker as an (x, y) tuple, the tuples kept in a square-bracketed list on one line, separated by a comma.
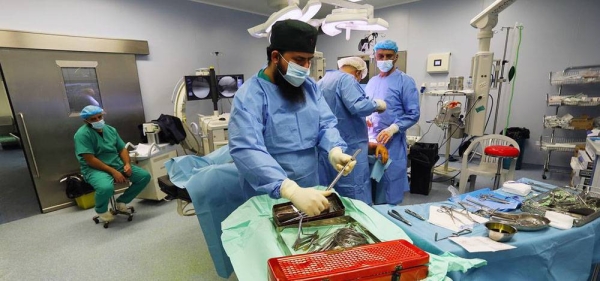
[(113, 205), (500, 152)]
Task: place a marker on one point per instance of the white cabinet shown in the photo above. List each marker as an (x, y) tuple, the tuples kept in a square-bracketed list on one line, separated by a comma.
[(155, 165)]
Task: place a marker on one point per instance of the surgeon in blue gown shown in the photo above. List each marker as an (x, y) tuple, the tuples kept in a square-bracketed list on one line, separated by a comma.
[(350, 105), (399, 92), (279, 119)]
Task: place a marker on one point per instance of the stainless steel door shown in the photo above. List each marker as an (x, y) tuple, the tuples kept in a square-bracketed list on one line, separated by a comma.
[(39, 95)]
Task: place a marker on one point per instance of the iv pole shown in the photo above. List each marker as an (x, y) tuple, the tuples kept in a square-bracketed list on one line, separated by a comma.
[(500, 80)]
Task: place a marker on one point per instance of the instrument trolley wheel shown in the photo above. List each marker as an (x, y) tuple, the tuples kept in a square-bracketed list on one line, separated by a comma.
[(130, 218), (105, 224), (96, 220), (544, 177), (132, 210)]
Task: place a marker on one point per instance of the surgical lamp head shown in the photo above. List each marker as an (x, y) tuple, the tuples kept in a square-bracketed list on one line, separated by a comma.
[(90, 111), (386, 45), (355, 62)]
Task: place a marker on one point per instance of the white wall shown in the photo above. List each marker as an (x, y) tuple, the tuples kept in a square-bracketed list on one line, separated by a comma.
[(181, 35), (556, 34)]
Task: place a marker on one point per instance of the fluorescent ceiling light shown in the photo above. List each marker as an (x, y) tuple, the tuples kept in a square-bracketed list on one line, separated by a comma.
[(354, 1)]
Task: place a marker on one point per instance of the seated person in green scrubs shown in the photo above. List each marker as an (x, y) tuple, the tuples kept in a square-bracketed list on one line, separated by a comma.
[(104, 160)]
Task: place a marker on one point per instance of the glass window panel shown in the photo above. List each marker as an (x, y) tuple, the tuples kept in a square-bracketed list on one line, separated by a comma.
[(81, 85)]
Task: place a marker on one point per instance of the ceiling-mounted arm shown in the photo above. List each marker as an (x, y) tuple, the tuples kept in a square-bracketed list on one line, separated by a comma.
[(487, 20)]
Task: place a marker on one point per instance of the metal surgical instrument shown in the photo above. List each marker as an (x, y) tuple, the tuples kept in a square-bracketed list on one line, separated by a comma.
[(493, 198), (414, 214), (396, 215), (455, 234), (339, 175), (450, 211)]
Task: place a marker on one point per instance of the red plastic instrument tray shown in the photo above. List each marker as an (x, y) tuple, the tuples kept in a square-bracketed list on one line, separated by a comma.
[(372, 262)]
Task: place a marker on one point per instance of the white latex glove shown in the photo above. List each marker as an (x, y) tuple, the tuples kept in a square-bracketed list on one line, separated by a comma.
[(308, 200), (338, 159), (386, 134), (381, 106)]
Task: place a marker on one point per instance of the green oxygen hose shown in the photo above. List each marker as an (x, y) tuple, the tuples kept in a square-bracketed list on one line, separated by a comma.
[(513, 71)]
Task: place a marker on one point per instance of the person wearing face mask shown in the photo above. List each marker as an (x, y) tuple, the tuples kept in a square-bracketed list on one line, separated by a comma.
[(278, 120), (400, 93), (350, 105), (104, 160)]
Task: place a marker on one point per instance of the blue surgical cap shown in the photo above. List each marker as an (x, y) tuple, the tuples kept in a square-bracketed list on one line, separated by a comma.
[(90, 111), (387, 45)]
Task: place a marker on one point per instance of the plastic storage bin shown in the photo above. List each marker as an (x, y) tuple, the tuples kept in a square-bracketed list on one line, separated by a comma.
[(86, 201)]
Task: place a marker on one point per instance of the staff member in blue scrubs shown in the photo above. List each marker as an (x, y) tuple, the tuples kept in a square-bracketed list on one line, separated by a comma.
[(399, 92), (279, 119), (350, 105), (104, 160)]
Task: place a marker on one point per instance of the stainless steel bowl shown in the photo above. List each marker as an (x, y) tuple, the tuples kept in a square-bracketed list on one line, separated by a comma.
[(499, 231)]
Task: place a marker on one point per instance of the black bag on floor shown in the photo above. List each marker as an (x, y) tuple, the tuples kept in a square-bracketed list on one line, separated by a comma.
[(76, 186)]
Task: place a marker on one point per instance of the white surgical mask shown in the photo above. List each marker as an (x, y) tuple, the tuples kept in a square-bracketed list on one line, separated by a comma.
[(295, 74), (98, 125), (385, 65)]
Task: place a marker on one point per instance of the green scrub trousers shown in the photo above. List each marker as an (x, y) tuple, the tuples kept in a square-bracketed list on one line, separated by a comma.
[(103, 183), (106, 147)]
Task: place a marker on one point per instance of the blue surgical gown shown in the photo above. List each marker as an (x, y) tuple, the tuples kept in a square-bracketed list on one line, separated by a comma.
[(402, 98), (271, 139), (350, 105)]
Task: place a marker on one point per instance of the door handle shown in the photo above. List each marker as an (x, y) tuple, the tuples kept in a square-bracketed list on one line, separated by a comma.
[(37, 172)]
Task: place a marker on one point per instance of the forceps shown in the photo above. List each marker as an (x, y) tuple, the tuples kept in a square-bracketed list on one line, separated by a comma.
[(455, 234), (450, 211), (339, 175), (493, 198)]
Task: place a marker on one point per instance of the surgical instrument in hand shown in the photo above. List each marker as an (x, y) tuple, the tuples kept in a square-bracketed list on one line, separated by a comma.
[(414, 214), (399, 217), (339, 175)]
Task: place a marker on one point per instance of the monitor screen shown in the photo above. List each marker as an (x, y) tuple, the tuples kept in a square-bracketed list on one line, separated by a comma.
[(197, 87), (228, 84)]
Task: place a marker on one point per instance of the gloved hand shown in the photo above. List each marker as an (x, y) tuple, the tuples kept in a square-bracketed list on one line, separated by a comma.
[(379, 150), (308, 200), (381, 106), (386, 134), (338, 159)]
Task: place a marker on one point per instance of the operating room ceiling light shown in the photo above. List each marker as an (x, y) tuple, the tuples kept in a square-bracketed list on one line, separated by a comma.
[(351, 19), (292, 11), (346, 17)]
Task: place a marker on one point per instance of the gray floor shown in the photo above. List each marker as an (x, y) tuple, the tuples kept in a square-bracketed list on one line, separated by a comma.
[(16, 187), (157, 245)]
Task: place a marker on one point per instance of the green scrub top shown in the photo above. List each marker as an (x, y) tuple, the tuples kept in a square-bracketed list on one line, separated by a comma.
[(106, 146)]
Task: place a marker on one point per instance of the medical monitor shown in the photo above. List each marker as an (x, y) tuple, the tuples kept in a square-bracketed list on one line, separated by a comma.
[(228, 84), (197, 87)]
